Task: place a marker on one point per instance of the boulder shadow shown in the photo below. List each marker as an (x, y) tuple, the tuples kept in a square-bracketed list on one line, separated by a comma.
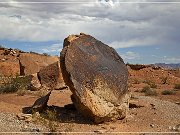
[(66, 114)]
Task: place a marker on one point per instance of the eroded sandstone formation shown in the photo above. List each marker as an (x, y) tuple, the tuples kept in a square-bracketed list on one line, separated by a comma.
[(32, 63), (97, 77)]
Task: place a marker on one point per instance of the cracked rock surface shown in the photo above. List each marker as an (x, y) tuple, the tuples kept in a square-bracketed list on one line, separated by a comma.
[(97, 77)]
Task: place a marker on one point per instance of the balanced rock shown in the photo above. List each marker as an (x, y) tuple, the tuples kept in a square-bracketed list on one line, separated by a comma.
[(97, 77)]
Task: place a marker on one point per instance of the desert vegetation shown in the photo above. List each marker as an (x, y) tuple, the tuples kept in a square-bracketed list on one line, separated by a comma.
[(168, 92), (177, 86), (14, 84), (148, 91)]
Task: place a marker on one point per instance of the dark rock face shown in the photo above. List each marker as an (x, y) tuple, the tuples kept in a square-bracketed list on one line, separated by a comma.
[(97, 77), (41, 103), (51, 76)]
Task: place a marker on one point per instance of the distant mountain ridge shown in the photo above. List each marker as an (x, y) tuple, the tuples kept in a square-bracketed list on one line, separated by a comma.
[(169, 66)]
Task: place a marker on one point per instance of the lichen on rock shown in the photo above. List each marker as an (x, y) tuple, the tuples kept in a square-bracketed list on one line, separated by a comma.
[(97, 77)]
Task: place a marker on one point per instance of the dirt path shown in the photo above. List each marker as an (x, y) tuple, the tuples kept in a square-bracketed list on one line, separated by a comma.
[(148, 115)]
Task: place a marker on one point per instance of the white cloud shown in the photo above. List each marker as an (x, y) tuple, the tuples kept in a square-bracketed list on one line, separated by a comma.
[(133, 43), (120, 25), (171, 59), (52, 48), (130, 55)]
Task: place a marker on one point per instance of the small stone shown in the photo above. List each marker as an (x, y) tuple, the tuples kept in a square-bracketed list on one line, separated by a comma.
[(152, 125), (28, 119), (22, 116), (134, 104), (170, 128), (104, 127), (113, 128), (35, 130), (100, 131), (3, 59), (177, 128)]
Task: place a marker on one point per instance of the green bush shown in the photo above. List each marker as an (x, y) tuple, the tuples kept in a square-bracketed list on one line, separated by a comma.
[(153, 85), (148, 91), (177, 86), (167, 92), (14, 84), (145, 88), (151, 92), (136, 81), (46, 54)]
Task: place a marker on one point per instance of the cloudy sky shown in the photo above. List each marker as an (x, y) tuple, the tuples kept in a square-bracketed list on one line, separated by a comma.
[(142, 31)]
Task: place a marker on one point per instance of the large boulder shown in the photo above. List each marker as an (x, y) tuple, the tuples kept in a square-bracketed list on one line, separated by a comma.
[(31, 63), (97, 77), (51, 76)]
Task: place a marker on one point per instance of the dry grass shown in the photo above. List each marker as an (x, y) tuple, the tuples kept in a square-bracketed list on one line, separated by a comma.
[(12, 85), (177, 86), (148, 91), (47, 118), (150, 83), (168, 92), (136, 81)]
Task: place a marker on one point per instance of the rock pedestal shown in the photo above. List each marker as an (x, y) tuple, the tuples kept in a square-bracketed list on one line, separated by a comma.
[(97, 77)]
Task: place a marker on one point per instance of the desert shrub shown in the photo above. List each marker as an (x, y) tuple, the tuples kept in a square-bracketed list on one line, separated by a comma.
[(153, 85), (145, 88), (148, 91), (45, 54), (51, 120), (150, 83), (21, 92), (177, 86), (167, 92), (164, 80), (33, 52), (151, 92), (136, 81), (14, 84)]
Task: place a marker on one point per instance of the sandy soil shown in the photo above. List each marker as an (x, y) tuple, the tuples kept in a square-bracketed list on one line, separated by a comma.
[(148, 115)]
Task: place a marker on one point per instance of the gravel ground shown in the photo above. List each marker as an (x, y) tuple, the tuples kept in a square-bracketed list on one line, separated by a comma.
[(169, 110), (10, 123)]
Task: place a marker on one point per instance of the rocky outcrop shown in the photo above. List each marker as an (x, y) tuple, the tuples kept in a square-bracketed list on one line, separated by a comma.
[(32, 63), (16, 62), (97, 77), (9, 63), (51, 77), (9, 68), (137, 66)]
